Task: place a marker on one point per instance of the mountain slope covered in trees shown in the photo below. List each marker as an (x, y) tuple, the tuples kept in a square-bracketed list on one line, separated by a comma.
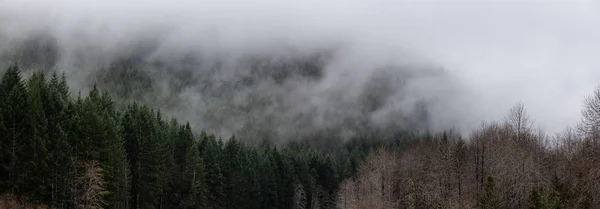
[(68, 151), (328, 91), (64, 150)]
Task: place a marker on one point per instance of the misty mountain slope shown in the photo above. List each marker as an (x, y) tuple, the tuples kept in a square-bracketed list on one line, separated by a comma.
[(276, 94)]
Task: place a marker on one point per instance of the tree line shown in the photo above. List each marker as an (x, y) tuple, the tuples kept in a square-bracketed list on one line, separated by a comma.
[(506, 164), (59, 150)]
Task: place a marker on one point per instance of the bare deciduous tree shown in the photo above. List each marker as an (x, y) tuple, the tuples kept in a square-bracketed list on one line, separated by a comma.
[(519, 121), (442, 171), (374, 185), (299, 197), (590, 123), (89, 187), (11, 201)]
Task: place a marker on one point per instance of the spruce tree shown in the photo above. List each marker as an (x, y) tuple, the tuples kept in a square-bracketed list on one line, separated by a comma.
[(167, 197), (234, 179), (96, 136), (210, 152), (193, 179), (250, 187), (35, 165), (285, 180), (144, 152), (172, 192), (268, 177), (62, 159), (16, 129)]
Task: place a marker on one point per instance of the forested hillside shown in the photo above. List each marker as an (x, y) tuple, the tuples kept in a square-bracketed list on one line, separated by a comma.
[(273, 93), (63, 150), (505, 164)]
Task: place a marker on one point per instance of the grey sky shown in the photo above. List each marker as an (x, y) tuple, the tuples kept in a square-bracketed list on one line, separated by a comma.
[(543, 53)]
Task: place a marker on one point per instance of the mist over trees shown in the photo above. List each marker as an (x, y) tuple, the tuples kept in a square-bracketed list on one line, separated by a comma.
[(69, 151), (302, 104), (506, 164), (65, 150), (258, 93)]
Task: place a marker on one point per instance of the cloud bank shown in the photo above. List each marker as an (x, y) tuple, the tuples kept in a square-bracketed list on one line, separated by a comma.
[(281, 69)]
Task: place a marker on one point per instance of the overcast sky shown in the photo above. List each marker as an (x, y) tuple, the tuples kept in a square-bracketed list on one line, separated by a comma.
[(543, 52)]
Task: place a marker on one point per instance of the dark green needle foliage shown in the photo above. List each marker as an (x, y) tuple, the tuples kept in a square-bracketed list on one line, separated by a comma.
[(69, 151)]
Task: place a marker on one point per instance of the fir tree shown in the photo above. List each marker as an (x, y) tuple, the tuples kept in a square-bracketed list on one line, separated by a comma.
[(172, 193), (96, 136), (62, 160), (193, 179), (36, 163), (233, 176), (144, 153), (16, 129), (210, 151)]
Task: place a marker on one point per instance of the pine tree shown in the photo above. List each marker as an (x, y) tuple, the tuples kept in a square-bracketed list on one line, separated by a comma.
[(232, 172), (173, 175), (251, 187), (210, 151), (96, 136), (168, 187), (268, 176), (144, 152), (62, 160), (36, 164), (16, 127), (285, 180), (193, 179)]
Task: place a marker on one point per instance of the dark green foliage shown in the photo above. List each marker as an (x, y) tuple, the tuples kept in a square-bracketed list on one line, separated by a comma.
[(145, 161), (96, 135), (172, 176), (193, 179), (35, 160), (489, 199), (16, 129), (145, 152), (62, 160), (542, 198), (211, 153), (285, 176), (236, 184)]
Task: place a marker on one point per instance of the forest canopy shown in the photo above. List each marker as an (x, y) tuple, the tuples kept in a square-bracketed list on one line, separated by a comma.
[(64, 150)]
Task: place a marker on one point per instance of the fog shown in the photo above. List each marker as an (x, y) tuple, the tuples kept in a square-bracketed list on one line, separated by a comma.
[(427, 64)]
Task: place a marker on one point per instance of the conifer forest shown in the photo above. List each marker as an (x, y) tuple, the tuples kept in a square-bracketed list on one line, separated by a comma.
[(299, 104), (65, 150)]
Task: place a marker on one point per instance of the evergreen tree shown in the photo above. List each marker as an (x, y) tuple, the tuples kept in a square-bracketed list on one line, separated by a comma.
[(250, 187), (210, 152), (168, 187), (193, 179), (173, 175), (232, 173), (268, 177), (16, 129), (285, 180), (144, 152), (489, 198), (541, 198), (96, 136), (62, 160), (35, 165)]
